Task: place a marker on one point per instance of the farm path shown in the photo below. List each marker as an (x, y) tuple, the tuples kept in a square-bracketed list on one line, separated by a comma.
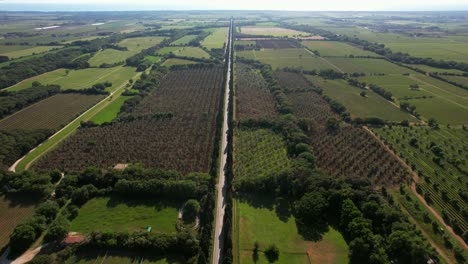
[(431, 241), (438, 96), (413, 189), (325, 60), (221, 186), (99, 106)]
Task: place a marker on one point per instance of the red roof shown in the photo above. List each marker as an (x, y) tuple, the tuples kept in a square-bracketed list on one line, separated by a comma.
[(73, 239)]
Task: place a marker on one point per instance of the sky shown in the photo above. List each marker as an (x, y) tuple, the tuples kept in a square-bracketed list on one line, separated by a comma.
[(295, 5)]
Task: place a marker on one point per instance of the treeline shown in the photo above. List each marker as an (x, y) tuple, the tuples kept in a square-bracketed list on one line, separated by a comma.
[(28, 183), (381, 49), (16, 143), (98, 88), (11, 102), (37, 186), (375, 230), (18, 71), (375, 88), (182, 243), (227, 250), (133, 181), (440, 77)]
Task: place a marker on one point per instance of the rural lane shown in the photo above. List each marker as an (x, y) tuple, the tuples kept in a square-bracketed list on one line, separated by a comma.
[(221, 186)]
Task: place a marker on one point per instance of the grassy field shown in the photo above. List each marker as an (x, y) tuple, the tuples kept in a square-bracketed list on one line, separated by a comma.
[(117, 214), (216, 39), (267, 222), (184, 40), (259, 152), (111, 111), (153, 59), (287, 58), (195, 52), (432, 69), (171, 62), (445, 48), (336, 49), (51, 113), (368, 66), (134, 46), (13, 210), (457, 79), (80, 79), (436, 178), (373, 105), (272, 31), (434, 98), (14, 52)]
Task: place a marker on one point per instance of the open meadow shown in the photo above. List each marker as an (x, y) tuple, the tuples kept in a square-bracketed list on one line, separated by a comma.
[(266, 221), (80, 79), (109, 214), (134, 46)]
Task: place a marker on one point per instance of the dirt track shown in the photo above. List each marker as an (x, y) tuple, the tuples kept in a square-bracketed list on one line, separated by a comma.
[(413, 189)]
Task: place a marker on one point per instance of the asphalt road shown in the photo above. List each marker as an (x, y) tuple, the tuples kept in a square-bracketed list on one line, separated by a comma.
[(221, 186)]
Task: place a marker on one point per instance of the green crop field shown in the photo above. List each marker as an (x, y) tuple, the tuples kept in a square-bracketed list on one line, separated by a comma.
[(272, 31), (111, 111), (434, 98), (216, 39), (14, 209), (184, 40), (117, 214), (463, 80), (439, 158), (51, 113), (433, 69), (335, 49), (263, 220), (446, 48), (80, 79), (259, 152), (195, 52), (171, 62), (134, 46), (14, 52), (153, 59), (281, 58), (373, 105), (368, 66)]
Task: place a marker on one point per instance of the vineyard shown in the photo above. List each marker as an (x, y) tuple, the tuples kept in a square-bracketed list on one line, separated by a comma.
[(253, 99), (14, 209), (277, 44), (259, 152), (348, 151), (439, 158), (50, 113), (173, 129), (292, 82)]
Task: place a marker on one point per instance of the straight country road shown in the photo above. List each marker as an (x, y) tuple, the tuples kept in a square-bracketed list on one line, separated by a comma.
[(221, 186)]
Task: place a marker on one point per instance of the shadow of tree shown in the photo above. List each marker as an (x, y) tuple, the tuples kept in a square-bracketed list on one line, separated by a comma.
[(312, 231)]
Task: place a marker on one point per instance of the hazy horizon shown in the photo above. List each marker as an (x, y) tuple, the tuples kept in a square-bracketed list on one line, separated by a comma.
[(298, 5)]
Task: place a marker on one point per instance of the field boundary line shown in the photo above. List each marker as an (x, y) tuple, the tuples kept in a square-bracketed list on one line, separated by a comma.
[(25, 80), (336, 67), (431, 241), (438, 96), (413, 189)]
